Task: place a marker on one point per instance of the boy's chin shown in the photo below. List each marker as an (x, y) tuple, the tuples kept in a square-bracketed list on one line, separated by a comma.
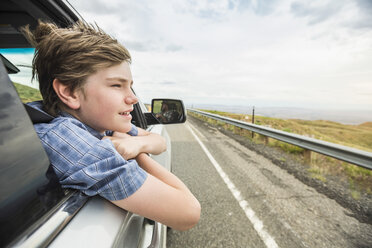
[(124, 128)]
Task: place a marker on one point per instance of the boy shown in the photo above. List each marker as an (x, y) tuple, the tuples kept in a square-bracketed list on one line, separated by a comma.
[(85, 81)]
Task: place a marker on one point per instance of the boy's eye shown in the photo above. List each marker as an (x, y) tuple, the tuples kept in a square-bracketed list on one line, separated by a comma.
[(116, 85)]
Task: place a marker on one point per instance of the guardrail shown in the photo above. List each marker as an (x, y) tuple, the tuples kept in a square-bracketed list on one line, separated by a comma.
[(348, 154)]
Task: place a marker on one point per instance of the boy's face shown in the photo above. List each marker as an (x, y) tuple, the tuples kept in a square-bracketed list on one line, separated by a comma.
[(107, 99)]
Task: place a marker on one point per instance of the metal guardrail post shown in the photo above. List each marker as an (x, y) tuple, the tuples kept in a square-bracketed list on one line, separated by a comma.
[(347, 154)]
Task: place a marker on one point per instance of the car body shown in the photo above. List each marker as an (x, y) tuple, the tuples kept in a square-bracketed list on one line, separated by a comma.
[(34, 210)]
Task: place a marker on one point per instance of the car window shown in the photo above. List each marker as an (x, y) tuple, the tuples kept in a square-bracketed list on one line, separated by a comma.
[(22, 59)]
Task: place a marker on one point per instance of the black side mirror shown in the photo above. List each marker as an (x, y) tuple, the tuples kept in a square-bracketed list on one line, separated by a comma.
[(167, 111)]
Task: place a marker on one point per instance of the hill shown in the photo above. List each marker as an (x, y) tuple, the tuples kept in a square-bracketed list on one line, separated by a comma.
[(26, 93), (366, 125)]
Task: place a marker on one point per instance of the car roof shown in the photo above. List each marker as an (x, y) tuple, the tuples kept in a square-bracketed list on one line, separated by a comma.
[(17, 13)]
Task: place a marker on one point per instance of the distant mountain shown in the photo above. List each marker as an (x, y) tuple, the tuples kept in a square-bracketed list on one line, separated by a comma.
[(342, 116)]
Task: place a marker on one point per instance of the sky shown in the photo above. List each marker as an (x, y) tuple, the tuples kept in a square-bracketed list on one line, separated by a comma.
[(271, 53)]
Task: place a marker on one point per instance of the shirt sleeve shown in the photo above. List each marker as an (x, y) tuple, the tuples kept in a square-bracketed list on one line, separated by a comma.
[(133, 131), (93, 166), (107, 173)]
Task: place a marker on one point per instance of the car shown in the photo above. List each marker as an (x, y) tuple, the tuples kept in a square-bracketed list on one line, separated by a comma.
[(35, 211)]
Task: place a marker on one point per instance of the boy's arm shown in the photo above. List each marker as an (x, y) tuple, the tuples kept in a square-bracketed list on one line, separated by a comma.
[(145, 142), (163, 198)]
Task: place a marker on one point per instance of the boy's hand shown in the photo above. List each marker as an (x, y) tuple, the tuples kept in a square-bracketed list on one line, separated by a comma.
[(145, 142), (127, 146)]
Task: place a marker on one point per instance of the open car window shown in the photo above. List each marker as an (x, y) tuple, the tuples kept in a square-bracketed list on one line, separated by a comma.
[(21, 59)]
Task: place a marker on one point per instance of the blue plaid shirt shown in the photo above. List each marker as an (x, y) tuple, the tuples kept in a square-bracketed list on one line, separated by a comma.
[(83, 161)]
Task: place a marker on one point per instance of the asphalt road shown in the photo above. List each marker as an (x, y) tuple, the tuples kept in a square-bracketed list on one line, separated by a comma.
[(247, 201)]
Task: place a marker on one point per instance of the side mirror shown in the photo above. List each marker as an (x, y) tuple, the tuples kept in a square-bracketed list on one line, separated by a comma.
[(168, 111)]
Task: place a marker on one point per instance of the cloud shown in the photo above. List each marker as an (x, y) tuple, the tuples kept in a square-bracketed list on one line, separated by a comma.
[(167, 83), (101, 7), (350, 14), (261, 8), (366, 5), (173, 48), (204, 8), (137, 46), (364, 16), (151, 46), (221, 10), (316, 13)]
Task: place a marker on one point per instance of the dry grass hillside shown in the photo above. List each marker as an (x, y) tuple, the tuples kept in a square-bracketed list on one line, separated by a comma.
[(320, 166), (26, 93)]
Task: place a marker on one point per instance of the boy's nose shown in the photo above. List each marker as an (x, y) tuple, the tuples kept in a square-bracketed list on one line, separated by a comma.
[(131, 99)]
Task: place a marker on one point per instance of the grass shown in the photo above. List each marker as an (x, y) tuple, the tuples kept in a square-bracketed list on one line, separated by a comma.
[(357, 136), (27, 94), (320, 166), (317, 174)]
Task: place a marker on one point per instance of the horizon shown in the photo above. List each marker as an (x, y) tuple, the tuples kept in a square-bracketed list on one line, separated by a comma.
[(276, 107), (347, 117)]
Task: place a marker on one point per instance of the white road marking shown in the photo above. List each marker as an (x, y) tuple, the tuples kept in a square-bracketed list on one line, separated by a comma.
[(256, 222)]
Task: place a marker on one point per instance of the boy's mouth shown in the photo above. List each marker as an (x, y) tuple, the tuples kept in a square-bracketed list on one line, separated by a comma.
[(124, 113)]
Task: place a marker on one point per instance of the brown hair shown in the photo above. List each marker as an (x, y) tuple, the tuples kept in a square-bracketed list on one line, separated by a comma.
[(70, 55)]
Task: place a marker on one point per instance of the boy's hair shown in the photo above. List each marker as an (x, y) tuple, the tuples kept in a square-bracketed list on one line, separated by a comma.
[(70, 55)]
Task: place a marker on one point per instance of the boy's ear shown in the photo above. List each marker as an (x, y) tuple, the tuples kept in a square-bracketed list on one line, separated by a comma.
[(68, 97)]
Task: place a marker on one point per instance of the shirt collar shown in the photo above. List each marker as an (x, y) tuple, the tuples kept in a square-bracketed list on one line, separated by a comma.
[(92, 131)]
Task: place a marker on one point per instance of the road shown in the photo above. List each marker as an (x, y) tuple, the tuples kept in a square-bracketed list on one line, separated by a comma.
[(247, 201)]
